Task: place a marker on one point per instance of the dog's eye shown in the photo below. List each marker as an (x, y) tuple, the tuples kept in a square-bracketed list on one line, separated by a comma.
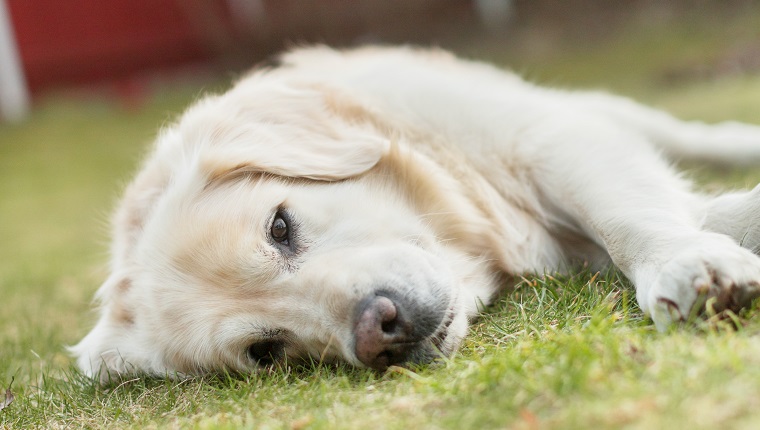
[(280, 229), (266, 352)]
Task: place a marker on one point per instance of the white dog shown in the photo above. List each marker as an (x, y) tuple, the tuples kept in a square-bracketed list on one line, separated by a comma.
[(360, 206)]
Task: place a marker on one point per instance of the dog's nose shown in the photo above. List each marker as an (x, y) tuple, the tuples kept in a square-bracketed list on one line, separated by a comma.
[(384, 335)]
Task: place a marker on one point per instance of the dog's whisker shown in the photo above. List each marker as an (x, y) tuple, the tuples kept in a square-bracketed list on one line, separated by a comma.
[(325, 350)]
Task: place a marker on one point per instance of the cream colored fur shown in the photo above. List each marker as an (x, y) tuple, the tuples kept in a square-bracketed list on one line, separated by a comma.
[(412, 171)]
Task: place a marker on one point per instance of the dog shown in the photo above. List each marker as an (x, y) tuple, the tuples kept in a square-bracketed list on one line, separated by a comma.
[(362, 206)]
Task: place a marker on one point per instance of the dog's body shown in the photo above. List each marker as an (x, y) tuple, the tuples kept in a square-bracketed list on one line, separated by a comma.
[(361, 206)]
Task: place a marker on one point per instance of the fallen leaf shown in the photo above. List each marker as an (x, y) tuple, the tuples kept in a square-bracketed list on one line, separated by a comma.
[(530, 420), (302, 422), (8, 396)]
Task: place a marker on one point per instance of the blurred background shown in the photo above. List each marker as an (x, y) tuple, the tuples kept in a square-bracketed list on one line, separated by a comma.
[(130, 46), (86, 84)]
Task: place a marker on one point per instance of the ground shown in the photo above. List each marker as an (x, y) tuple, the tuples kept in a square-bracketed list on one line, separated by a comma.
[(572, 352)]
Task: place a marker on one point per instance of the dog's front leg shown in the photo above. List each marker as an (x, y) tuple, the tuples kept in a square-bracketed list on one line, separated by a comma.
[(617, 189)]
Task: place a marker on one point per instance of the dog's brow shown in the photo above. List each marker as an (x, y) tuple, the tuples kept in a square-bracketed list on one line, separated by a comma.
[(238, 173)]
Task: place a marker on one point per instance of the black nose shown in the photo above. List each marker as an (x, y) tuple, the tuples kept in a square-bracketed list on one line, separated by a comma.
[(389, 331)]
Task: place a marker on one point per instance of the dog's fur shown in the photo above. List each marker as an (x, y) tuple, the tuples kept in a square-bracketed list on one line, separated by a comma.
[(411, 185)]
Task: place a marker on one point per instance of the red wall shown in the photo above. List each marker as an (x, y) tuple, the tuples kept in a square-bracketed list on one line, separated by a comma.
[(76, 41)]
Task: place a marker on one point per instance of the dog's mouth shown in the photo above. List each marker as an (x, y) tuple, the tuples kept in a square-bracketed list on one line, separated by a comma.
[(438, 338)]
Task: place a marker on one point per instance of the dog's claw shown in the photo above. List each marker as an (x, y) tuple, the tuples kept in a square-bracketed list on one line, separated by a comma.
[(675, 314), (668, 314)]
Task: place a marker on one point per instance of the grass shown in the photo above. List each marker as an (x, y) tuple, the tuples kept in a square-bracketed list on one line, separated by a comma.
[(571, 353)]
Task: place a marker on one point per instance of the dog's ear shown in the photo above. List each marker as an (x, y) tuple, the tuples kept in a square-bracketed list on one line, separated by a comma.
[(305, 132), (111, 349)]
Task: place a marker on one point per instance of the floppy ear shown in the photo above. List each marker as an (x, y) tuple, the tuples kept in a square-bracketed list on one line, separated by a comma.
[(111, 349), (306, 132)]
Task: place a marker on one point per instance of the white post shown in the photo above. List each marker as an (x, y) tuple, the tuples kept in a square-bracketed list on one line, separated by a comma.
[(14, 96)]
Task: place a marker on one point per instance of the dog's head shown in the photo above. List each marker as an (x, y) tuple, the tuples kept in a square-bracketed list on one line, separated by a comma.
[(283, 222)]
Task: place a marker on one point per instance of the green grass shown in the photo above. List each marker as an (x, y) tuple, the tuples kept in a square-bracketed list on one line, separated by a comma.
[(571, 353)]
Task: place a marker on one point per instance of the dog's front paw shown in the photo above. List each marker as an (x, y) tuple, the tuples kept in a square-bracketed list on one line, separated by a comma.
[(719, 275)]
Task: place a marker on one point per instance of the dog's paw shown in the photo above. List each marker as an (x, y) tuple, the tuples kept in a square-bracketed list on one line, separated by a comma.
[(719, 275)]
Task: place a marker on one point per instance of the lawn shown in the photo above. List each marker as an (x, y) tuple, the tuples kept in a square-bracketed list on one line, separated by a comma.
[(556, 352)]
